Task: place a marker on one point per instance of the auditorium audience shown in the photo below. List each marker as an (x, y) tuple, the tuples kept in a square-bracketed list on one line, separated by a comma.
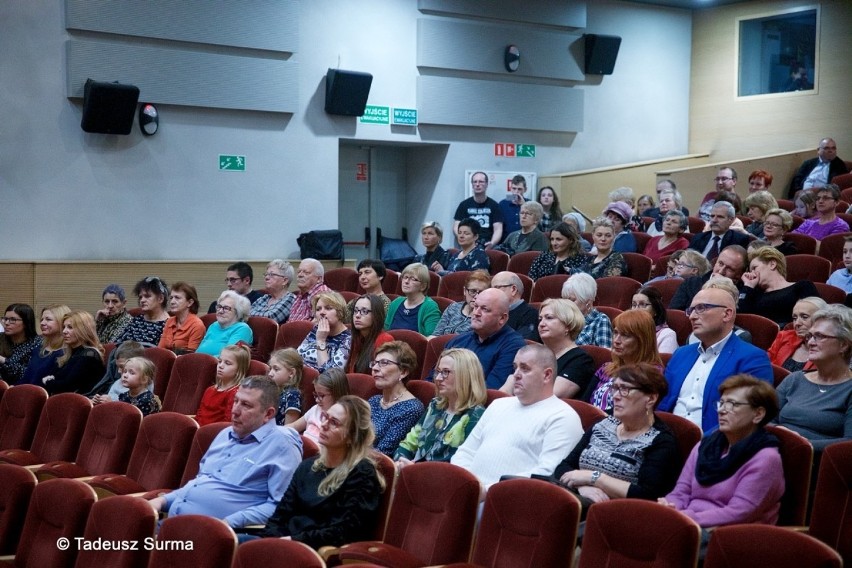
[(82, 360), (471, 255), (371, 275), (414, 310), (620, 213), (285, 369), (842, 278), (109, 387), (670, 200), (456, 318), (726, 180), (523, 317), (218, 398), (578, 223), (230, 327), (650, 299), (756, 205), (309, 281), (789, 349), (431, 235), (277, 302), (551, 212), (113, 317), (184, 330), (396, 410), (767, 292), (731, 263), (643, 204), (147, 327), (368, 318), (805, 202), (239, 277), (776, 223), (328, 388), (825, 222), (759, 180), (564, 257), (671, 239), (329, 342), (528, 237), (818, 171), (49, 347), (606, 261), (137, 376), (597, 329)]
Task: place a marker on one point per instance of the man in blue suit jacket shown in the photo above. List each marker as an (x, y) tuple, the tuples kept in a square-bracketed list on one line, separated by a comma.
[(695, 371)]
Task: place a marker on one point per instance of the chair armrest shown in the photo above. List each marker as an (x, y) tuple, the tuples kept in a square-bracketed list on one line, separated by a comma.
[(115, 484), (378, 553), (60, 469)]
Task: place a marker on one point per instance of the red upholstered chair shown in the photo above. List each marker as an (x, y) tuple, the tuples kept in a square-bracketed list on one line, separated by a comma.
[(292, 333), (804, 244), (417, 342), (778, 374), (214, 544), (589, 414), (696, 225), (340, 279), (797, 456), (16, 487), (163, 360), (548, 287), (642, 239), (638, 533), (528, 286), (807, 267), (60, 429), (679, 322), (493, 394), (498, 261), (660, 266), (158, 458), (277, 552), (58, 509), (601, 355), (191, 375), (831, 248), (609, 311), (258, 367), (424, 391), (667, 288), (687, 434), (844, 182), (763, 330), (433, 351), (264, 330), (362, 385), (787, 204), (443, 303), (106, 445), (452, 285), (349, 296), (745, 546), (208, 319), (120, 519), (638, 266), (387, 469), (539, 529), (309, 375), (617, 291), (20, 409), (431, 519), (389, 282), (831, 294), (831, 516), (797, 222), (844, 215), (309, 447), (521, 262)]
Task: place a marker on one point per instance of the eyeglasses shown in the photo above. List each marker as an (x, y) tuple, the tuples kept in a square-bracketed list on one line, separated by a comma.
[(501, 286), (233, 280), (622, 390), (442, 373), (271, 274), (411, 278), (330, 420), (824, 197), (684, 265), (382, 363), (361, 311), (721, 179), (639, 306), (818, 337), (772, 225), (11, 320), (701, 308), (319, 397), (729, 405), (224, 308), (472, 291)]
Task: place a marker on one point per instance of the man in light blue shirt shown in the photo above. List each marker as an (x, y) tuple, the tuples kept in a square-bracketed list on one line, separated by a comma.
[(248, 466)]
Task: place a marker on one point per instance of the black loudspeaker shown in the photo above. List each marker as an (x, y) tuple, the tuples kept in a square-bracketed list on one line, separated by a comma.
[(601, 51), (109, 108), (346, 92)]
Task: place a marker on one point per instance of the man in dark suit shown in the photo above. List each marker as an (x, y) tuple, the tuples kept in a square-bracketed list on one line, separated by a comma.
[(732, 262), (818, 171), (710, 243)]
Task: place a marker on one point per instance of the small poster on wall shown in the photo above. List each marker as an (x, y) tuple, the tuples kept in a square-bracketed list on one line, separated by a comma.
[(499, 184)]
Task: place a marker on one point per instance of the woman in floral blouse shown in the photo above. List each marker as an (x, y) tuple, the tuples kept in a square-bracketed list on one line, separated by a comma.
[(452, 415), (471, 256)]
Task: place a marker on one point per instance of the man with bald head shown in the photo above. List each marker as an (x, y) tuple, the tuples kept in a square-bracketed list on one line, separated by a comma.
[(695, 371), (817, 172), (493, 341), (523, 318)]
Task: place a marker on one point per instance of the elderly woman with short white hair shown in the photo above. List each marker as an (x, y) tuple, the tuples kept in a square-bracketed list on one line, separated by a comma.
[(528, 237), (232, 311), (582, 289), (278, 300)]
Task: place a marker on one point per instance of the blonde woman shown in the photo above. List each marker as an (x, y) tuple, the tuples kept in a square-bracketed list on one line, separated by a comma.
[(328, 344), (43, 359), (81, 363)]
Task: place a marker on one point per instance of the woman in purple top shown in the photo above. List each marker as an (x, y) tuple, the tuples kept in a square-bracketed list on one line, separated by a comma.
[(734, 475), (826, 222)]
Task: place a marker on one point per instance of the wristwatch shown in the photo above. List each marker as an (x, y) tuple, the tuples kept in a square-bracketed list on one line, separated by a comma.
[(595, 476), (321, 347)]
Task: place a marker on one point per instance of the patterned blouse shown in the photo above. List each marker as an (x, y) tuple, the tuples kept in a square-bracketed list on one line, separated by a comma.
[(453, 320), (141, 330), (16, 363), (110, 328), (290, 399), (474, 260), (278, 311), (338, 347), (147, 401), (438, 435), (596, 331), (393, 423), (613, 264), (546, 264)]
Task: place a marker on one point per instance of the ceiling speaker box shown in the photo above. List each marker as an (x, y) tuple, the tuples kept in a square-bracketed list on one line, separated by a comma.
[(109, 108), (601, 52), (346, 92)]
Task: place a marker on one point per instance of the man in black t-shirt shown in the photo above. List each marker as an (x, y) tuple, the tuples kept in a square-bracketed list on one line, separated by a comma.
[(482, 208)]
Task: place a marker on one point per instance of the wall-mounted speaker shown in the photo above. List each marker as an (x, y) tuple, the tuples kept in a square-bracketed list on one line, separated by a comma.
[(601, 52), (346, 92), (109, 108)]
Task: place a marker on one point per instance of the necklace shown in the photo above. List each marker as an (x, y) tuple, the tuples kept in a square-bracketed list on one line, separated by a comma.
[(389, 403)]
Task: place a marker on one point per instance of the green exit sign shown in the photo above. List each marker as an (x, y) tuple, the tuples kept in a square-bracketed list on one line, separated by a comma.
[(230, 163), (525, 150), (376, 115)]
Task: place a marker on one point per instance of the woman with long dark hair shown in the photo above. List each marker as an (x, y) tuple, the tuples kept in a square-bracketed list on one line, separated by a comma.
[(368, 318), (17, 341)]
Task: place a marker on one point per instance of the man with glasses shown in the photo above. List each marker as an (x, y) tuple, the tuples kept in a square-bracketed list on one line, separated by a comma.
[(825, 222), (309, 282), (725, 180), (695, 371), (485, 210), (238, 278), (731, 263), (523, 318), (818, 171)]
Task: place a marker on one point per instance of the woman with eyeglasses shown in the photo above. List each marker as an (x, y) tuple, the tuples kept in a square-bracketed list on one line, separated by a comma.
[(564, 257), (414, 310), (333, 498), (17, 342), (230, 327), (456, 318), (776, 223), (396, 410), (528, 237), (790, 350), (471, 255), (276, 302), (734, 475), (825, 222), (147, 328), (767, 292), (451, 415), (184, 330), (329, 386), (671, 240), (651, 300), (630, 454), (329, 343), (634, 340), (368, 318), (818, 404)]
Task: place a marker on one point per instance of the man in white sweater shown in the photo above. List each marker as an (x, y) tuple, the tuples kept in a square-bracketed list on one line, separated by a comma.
[(529, 433)]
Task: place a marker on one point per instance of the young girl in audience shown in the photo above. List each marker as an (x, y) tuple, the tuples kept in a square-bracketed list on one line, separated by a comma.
[(285, 369), (843, 278), (138, 374), (219, 398), (328, 387)]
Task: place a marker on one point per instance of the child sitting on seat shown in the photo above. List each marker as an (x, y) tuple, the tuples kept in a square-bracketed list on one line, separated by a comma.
[(285, 369), (218, 399), (138, 374)]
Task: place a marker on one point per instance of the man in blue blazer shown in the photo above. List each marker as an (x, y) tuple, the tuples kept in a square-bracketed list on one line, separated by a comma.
[(695, 371), (721, 216)]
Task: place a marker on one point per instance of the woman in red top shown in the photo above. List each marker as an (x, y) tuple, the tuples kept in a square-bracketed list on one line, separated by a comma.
[(368, 318), (219, 398), (672, 239), (790, 350)]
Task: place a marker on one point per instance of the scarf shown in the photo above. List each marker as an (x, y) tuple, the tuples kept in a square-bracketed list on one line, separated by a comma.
[(712, 468)]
